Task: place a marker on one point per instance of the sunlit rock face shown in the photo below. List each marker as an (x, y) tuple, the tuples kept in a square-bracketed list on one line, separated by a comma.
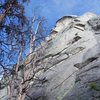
[(76, 76), (70, 62), (72, 56)]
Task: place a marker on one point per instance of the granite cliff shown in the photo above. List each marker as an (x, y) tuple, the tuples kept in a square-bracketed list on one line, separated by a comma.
[(68, 65)]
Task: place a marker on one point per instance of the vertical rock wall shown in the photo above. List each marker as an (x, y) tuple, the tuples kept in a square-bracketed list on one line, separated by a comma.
[(69, 67)]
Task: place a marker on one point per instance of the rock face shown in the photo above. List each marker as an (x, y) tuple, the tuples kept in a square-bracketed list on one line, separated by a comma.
[(70, 63)]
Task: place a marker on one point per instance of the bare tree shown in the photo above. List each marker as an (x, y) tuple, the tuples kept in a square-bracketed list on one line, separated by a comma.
[(36, 35), (17, 35), (13, 34), (12, 30), (33, 34)]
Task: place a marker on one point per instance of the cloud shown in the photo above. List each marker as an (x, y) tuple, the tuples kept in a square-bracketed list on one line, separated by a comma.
[(54, 9)]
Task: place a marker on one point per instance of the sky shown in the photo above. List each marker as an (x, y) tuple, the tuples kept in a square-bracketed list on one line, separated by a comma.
[(53, 10)]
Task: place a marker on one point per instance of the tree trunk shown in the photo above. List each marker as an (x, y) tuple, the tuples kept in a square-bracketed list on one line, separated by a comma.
[(33, 38), (19, 59)]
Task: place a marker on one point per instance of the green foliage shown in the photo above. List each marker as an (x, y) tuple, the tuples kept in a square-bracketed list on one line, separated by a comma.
[(94, 86)]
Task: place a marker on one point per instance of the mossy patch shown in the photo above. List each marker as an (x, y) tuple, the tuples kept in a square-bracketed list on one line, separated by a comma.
[(94, 86)]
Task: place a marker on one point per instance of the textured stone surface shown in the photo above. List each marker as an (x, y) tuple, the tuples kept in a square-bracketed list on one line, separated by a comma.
[(71, 69)]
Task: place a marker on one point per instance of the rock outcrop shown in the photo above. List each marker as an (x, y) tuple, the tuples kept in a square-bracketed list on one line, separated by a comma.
[(69, 65)]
